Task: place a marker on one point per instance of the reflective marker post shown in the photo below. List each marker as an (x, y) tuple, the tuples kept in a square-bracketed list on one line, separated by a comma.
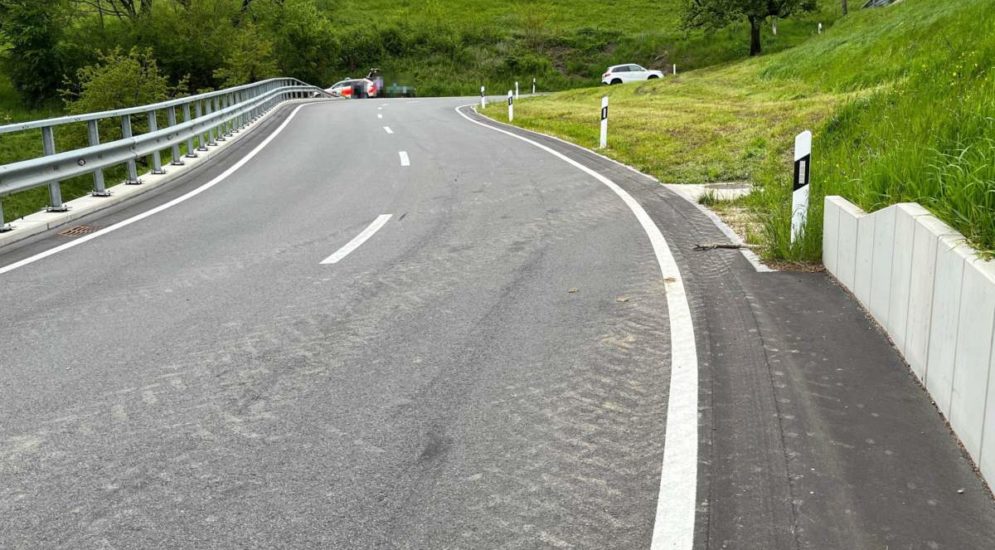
[(483, 100), (604, 122), (511, 106), (799, 197), (516, 89), (533, 86)]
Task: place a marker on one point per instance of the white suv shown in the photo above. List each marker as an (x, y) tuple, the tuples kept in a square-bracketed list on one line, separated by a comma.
[(620, 74)]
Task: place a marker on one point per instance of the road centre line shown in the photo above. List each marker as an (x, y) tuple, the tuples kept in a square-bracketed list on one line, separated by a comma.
[(358, 240), (405, 161), (675, 513), (388, 130), (379, 115), (165, 206)]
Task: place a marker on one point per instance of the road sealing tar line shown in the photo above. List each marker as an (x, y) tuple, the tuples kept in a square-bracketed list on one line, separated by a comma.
[(405, 161), (165, 206), (358, 240), (675, 511)]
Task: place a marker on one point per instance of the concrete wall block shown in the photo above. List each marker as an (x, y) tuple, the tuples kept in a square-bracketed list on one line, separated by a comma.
[(864, 265), (928, 231), (951, 255), (901, 272), (987, 460), (846, 256), (974, 349), (882, 255), (830, 233)]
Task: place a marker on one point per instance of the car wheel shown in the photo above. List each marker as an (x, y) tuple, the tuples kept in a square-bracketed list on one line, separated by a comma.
[(653, 77), (616, 81)]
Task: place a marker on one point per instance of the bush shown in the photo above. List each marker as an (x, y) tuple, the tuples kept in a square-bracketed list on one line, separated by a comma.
[(249, 59), (116, 81)]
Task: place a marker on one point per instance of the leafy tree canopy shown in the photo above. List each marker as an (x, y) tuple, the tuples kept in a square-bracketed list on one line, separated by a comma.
[(715, 14)]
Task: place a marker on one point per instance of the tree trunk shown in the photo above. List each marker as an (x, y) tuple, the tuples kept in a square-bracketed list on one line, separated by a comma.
[(844, 7), (755, 23)]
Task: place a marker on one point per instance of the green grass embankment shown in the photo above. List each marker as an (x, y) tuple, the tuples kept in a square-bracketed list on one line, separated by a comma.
[(452, 47), (901, 100)]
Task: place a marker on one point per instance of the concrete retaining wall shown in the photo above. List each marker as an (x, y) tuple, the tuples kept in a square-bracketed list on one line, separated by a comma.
[(936, 299)]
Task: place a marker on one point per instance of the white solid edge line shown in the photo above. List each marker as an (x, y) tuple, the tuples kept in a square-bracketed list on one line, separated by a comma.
[(405, 161), (388, 130), (358, 240), (750, 255), (675, 511), (182, 198)]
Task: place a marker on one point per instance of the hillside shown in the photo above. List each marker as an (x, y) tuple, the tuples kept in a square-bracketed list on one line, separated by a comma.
[(563, 43), (901, 99)]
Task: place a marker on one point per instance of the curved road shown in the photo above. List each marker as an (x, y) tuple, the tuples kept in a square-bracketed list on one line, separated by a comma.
[(489, 368)]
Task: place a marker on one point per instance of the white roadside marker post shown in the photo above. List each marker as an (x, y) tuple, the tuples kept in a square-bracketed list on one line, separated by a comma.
[(820, 28), (675, 69), (604, 122), (483, 99), (516, 89), (533, 86), (799, 196), (511, 106)]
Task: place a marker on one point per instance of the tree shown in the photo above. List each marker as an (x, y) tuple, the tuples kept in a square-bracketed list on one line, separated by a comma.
[(845, 10), (118, 80), (33, 30), (249, 59), (713, 14)]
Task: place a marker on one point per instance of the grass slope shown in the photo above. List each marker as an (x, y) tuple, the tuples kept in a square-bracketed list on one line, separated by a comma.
[(563, 43), (902, 101)]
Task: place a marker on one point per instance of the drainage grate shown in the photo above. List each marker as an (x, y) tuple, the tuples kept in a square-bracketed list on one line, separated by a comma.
[(78, 230)]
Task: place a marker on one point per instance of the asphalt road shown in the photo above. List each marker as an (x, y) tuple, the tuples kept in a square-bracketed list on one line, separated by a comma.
[(490, 368)]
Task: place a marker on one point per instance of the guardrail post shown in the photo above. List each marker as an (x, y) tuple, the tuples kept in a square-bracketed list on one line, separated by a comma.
[(230, 120), (93, 138), (200, 135), (208, 110), (132, 168), (236, 120), (244, 97), (4, 227), (186, 118), (219, 105), (171, 120), (54, 190), (156, 157)]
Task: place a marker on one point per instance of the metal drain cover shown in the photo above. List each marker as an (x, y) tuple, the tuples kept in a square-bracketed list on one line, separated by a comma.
[(78, 230)]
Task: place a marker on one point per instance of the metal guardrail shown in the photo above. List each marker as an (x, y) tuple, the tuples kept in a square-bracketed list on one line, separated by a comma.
[(207, 119)]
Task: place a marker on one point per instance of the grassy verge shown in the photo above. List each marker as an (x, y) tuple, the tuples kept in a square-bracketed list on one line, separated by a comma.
[(563, 43), (902, 102)]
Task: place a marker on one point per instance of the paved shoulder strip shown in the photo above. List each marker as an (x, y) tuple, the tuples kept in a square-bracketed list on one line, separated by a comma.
[(674, 525), (183, 198)]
